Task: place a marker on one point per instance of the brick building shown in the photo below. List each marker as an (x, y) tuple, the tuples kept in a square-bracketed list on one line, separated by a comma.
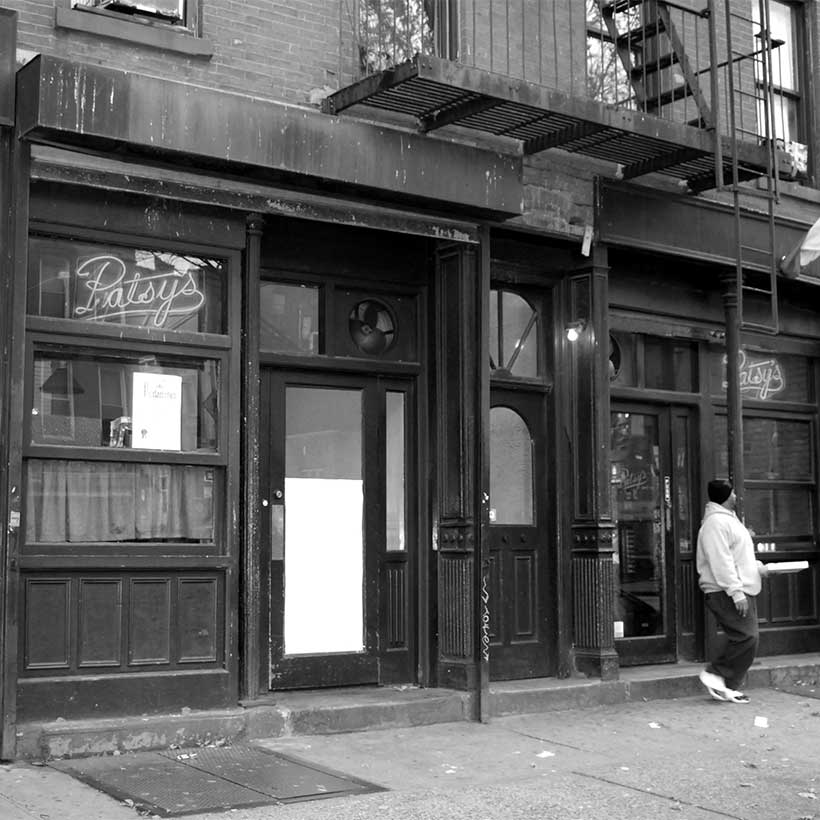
[(260, 255)]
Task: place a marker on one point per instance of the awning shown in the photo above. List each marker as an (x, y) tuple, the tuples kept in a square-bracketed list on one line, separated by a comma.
[(74, 104)]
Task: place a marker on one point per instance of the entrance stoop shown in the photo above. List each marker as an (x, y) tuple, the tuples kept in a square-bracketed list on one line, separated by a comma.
[(356, 709)]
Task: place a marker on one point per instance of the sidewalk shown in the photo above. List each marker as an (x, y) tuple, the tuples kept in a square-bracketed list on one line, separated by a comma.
[(688, 758)]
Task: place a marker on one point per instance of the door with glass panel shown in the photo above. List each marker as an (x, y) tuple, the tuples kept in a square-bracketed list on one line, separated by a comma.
[(520, 639), (335, 529), (655, 582)]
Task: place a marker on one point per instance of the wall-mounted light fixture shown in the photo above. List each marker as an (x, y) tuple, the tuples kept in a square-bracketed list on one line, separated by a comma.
[(575, 329)]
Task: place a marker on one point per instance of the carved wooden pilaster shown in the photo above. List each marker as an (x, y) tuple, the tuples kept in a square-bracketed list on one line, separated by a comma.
[(460, 402), (254, 677), (593, 591), (589, 434)]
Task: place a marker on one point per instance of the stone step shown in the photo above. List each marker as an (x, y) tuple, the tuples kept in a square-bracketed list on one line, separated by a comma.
[(284, 714)]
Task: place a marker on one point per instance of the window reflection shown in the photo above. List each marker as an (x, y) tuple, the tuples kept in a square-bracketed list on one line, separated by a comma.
[(514, 336), (636, 501), (148, 402), (126, 286), (396, 520), (324, 501), (511, 472), (289, 318)]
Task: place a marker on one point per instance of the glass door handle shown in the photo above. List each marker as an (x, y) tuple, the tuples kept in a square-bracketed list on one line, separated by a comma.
[(667, 502)]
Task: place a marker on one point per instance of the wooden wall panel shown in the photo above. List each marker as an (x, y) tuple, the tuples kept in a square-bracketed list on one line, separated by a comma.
[(196, 622), (687, 597), (805, 590), (99, 622), (48, 623), (526, 596), (122, 621), (456, 606), (396, 606), (149, 618)]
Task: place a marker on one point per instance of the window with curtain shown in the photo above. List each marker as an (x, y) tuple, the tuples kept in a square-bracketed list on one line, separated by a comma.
[(92, 502), (124, 396)]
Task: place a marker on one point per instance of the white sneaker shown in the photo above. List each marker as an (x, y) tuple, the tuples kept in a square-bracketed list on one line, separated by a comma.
[(712, 681)]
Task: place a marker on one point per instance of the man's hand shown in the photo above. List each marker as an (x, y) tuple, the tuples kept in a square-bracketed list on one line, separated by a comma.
[(742, 606)]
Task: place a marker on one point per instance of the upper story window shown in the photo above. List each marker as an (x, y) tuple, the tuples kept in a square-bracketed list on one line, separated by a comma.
[(393, 31), (172, 25), (787, 117), (168, 11)]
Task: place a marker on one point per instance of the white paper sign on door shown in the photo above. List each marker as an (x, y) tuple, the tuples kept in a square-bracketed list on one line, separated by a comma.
[(157, 411)]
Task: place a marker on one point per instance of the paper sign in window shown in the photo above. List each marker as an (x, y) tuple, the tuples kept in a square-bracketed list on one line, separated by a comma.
[(157, 411)]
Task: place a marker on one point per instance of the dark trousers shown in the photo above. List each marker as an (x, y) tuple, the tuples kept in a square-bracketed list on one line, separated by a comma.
[(734, 661)]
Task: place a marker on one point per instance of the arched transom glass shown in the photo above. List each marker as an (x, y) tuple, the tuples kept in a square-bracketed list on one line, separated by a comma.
[(511, 471)]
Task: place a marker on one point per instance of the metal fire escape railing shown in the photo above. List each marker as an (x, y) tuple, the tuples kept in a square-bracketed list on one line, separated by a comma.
[(632, 82)]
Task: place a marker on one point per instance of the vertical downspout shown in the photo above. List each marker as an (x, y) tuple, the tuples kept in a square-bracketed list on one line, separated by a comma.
[(732, 304), (734, 406), (11, 219)]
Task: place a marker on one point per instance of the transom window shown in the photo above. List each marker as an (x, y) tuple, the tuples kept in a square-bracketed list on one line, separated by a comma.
[(515, 333)]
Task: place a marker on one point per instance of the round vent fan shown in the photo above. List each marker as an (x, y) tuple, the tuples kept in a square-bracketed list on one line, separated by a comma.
[(371, 327)]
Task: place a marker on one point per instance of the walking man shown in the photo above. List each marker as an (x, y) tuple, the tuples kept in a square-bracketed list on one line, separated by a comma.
[(730, 577)]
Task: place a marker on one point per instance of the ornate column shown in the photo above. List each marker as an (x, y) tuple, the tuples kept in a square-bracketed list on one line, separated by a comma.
[(254, 672), (588, 421), (462, 404)]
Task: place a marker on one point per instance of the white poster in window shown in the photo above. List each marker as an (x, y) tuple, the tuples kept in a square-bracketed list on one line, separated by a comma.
[(324, 566), (156, 415)]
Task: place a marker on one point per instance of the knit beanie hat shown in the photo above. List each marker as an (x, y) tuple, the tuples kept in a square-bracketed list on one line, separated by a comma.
[(719, 490)]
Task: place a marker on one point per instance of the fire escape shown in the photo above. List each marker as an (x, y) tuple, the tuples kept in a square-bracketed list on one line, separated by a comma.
[(679, 89)]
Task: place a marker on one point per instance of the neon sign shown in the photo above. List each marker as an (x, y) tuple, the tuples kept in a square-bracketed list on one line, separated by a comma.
[(759, 378), (108, 291)]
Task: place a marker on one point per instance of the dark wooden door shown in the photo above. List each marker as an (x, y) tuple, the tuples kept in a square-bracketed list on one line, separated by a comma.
[(337, 528), (521, 595), (651, 492)]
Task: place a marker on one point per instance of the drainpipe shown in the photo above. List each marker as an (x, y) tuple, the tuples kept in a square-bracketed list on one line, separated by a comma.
[(734, 405)]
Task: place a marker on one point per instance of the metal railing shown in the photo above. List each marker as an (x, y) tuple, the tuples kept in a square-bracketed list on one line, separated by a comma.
[(679, 60)]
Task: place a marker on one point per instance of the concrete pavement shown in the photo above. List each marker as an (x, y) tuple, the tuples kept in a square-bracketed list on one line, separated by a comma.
[(688, 758)]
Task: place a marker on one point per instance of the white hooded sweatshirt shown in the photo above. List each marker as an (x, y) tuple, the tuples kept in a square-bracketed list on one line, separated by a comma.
[(726, 555)]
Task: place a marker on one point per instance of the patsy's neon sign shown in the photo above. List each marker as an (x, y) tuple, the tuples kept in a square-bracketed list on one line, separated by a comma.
[(759, 378), (108, 291)]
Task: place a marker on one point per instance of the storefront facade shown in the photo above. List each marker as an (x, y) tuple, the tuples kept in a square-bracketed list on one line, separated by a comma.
[(254, 443)]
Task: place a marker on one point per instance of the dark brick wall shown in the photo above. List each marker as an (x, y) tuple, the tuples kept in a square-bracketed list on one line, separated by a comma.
[(269, 48)]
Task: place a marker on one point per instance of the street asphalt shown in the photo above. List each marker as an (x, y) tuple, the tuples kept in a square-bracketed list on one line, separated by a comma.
[(687, 759)]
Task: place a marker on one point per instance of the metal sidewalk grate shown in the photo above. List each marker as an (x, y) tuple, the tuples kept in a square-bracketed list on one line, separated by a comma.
[(179, 782)]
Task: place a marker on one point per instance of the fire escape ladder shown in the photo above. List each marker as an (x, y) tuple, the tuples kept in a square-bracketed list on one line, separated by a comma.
[(756, 265), (653, 55)]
